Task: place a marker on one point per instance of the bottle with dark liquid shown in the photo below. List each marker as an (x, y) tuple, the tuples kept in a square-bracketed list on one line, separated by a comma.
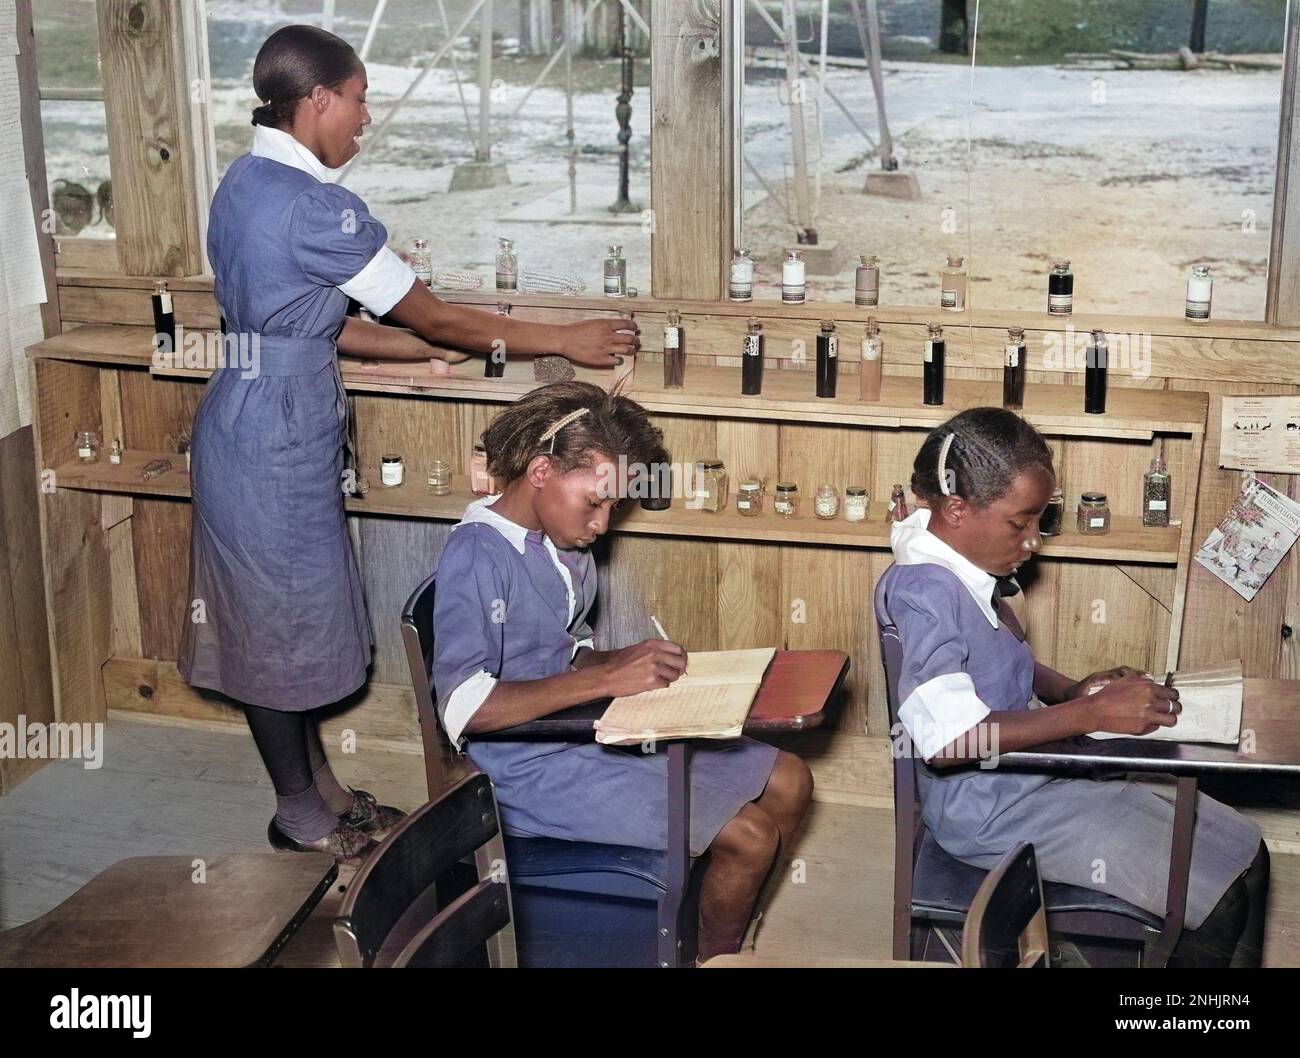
[(932, 369), (495, 364), (828, 359), (164, 319), (1060, 289), (751, 361), (674, 352), (1013, 369), (1094, 375)]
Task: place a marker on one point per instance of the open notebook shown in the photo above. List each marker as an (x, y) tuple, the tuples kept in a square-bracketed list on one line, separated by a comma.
[(1211, 700), (711, 700)]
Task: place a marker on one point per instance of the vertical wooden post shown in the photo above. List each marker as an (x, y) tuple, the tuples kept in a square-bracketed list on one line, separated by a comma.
[(690, 158), (147, 103), (1282, 306)]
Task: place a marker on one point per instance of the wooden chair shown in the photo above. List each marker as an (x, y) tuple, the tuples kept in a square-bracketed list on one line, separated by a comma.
[(160, 911), (1007, 922), (933, 891), (410, 904)]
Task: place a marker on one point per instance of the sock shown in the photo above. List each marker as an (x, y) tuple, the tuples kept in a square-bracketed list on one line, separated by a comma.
[(339, 798), (304, 816)]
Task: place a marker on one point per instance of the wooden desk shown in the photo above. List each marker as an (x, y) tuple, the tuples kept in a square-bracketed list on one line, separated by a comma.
[(1269, 710), (795, 692), (150, 911), (746, 961)]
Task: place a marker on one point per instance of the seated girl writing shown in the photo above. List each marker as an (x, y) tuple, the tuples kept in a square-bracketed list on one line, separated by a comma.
[(969, 681), (515, 588)]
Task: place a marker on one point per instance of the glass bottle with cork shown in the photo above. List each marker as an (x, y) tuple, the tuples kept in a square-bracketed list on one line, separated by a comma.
[(1156, 494), (751, 359), (674, 351), (871, 368), (932, 366), (828, 359)]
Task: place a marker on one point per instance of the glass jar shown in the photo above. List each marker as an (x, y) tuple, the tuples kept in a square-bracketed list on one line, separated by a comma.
[(749, 498), (740, 280), (786, 501), (440, 477), (615, 272), (88, 446), (711, 486), (1094, 513), (856, 501), (1053, 516), (826, 502), (115, 452), (422, 261), (392, 471), (897, 509), (479, 482)]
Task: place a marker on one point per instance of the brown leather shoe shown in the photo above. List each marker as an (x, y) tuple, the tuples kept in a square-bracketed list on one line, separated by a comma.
[(350, 847), (368, 816)]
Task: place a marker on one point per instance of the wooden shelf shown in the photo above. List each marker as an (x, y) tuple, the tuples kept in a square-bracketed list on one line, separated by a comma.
[(714, 392), (1128, 540), (774, 308)]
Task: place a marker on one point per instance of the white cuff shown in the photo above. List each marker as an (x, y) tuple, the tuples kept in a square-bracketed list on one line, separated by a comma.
[(578, 644), (464, 703), (941, 710), (382, 283)]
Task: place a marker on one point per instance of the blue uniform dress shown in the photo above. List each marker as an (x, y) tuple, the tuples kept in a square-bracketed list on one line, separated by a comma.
[(959, 663), (508, 606), (277, 617)]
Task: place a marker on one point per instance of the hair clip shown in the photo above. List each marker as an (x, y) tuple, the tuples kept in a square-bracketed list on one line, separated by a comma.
[(553, 430), (943, 458)]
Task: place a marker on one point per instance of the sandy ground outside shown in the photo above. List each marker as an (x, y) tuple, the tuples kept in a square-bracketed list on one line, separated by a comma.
[(1132, 175)]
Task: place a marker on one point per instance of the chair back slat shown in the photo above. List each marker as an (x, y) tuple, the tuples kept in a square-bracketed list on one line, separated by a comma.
[(417, 639), (419, 851), (464, 927), (1007, 922)]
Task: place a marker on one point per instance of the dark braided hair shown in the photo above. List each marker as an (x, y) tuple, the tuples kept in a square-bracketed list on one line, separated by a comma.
[(291, 62), (990, 447), (611, 425)]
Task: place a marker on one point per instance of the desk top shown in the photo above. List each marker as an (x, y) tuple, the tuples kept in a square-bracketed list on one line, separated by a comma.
[(147, 911), (1270, 711), (796, 690)]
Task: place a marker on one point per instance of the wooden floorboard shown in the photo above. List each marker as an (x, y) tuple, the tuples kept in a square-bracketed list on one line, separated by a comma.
[(184, 787)]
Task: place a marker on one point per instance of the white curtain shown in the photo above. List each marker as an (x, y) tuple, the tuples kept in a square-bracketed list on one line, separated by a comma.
[(22, 284)]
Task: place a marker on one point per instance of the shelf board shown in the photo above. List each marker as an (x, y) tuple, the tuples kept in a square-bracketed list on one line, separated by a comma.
[(788, 394), (774, 308), (1128, 540)]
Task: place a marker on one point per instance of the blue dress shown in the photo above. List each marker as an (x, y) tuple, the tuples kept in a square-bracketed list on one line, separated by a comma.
[(276, 616), (506, 613), (1113, 836)]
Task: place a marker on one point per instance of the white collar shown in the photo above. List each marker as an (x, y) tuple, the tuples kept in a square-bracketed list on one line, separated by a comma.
[(479, 511), (281, 147), (913, 544)]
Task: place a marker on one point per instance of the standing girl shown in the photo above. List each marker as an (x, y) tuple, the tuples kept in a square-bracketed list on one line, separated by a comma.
[(512, 642), (277, 620), (969, 679)]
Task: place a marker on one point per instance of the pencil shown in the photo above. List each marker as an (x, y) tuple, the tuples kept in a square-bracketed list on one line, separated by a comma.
[(658, 627)]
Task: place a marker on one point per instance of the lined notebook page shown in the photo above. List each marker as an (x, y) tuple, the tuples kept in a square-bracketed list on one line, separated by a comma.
[(1211, 701), (711, 700)]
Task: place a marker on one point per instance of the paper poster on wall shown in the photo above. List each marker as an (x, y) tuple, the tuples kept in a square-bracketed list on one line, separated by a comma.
[(1261, 433), (1258, 530)]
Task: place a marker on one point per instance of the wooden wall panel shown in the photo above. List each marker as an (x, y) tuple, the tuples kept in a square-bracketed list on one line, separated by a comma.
[(24, 631), (161, 544), (146, 98)]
